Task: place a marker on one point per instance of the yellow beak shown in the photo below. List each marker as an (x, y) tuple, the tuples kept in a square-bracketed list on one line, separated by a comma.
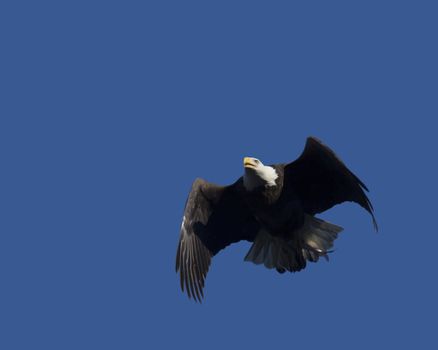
[(249, 162)]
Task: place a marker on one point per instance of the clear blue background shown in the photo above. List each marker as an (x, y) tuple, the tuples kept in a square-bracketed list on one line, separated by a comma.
[(109, 110)]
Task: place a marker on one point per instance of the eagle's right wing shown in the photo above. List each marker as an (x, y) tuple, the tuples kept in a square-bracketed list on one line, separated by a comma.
[(214, 217), (322, 180)]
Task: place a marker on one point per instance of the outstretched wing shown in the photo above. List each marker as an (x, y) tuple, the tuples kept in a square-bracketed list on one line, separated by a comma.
[(321, 180), (214, 217)]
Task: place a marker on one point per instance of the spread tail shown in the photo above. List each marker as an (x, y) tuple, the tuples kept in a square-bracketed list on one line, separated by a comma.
[(311, 241)]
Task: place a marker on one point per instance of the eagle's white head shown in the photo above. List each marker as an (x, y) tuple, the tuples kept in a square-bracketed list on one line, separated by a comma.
[(257, 175)]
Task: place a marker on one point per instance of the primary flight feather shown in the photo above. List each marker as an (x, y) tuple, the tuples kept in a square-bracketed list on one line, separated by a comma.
[(271, 206)]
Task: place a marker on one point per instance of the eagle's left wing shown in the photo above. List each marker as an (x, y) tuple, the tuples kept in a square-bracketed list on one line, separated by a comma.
[(214, 217)]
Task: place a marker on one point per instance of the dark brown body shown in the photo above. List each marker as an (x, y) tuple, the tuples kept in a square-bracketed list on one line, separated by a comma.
[(276, 210)]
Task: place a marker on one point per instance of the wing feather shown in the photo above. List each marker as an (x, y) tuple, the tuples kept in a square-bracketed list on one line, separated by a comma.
[(214, 217), (321, 180)]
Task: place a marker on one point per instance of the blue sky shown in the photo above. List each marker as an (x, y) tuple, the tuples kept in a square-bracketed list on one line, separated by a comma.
[(108, 112)]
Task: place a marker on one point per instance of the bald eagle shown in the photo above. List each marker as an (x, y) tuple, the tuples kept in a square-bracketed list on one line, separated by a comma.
[(271, 206)]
